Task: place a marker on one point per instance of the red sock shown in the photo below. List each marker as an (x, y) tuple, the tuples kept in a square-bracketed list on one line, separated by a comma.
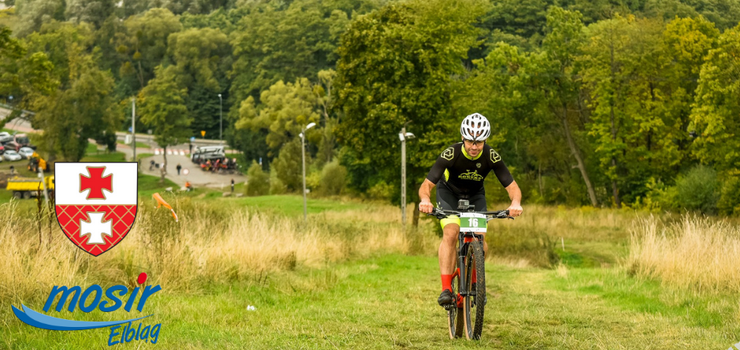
[(447, 282)]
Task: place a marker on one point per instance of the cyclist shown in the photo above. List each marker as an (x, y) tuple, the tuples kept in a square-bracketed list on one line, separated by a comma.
[(458, 174)]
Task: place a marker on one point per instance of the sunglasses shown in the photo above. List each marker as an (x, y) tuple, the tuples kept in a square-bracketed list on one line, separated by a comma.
[(476, 143)]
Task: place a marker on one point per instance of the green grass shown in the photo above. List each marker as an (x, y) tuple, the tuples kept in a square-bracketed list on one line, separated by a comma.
[(292, 205), (93, 155), (390, 302)]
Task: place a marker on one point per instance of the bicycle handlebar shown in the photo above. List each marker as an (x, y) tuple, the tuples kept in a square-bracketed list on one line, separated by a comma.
[(498, 214)]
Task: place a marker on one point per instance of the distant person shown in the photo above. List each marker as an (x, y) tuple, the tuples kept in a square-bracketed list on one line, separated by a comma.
[(151, 165), (232, 185), (178, 167), (12, 171), (188, 186)]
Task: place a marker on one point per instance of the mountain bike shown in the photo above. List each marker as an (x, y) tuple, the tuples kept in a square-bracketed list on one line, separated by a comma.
[(469, 278)]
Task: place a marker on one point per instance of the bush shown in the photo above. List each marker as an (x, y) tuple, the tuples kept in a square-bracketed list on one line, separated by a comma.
[(729, 202), (698, 190), (380, 190), (333, 178), (276, 185), (288, 167), (258, 182)]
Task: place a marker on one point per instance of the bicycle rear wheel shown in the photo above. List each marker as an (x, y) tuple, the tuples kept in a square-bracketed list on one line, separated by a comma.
[(455, 318), (474, 302)]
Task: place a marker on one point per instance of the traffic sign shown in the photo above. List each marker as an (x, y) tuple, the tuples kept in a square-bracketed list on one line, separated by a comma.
[(203, 133)]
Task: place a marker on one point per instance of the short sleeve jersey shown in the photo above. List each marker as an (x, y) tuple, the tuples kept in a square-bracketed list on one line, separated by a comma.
[(464, 174)]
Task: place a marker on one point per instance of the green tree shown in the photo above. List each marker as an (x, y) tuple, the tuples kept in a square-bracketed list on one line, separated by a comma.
[(90, 11), (395, 69), (258, 182), (286, 109), (23, 75), (560, 85), (143, 45), (81, 106), (716, 113), (33, 13), (624, 63), (201, 59), (163, 108)]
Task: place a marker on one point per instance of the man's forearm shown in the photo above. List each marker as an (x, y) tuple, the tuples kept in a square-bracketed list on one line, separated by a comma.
[(515, 194), (425, 190)]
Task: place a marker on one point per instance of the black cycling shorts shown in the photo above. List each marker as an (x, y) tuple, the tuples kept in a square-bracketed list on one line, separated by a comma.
[(447, 199)]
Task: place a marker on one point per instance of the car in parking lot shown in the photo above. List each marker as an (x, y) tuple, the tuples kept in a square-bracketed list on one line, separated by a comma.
[(5, 137), (26, 152), (12, 156), (12, 146), (2, 149)]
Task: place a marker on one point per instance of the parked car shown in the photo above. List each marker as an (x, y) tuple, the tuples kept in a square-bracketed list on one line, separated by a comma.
[(26, 152), (11, 156), (2, 150), (5, 137), (12, 145)]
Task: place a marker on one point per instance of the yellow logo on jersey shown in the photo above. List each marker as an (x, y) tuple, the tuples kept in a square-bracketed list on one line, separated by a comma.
[(471, 175), (494, 156), (448, 154)]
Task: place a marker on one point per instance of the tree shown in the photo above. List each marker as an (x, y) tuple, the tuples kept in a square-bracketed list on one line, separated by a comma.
[(202, 58), (716, 113), (33, 13), (81, 106), (91, 11), (163, 108), (286, 109), (395, 70), (624, 65), (22, 75), (562, 89), (144, 43)]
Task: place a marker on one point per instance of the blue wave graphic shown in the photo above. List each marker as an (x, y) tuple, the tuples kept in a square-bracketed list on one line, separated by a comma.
[(39, 320)]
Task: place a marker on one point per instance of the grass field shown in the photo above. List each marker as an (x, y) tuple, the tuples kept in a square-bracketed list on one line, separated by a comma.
[(389, 302), (558, 278)]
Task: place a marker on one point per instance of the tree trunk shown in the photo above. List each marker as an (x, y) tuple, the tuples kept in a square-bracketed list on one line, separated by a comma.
[(163, 171), (579, 160)]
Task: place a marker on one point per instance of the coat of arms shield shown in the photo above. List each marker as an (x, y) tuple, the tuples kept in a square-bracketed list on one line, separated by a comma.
[(95, 203)]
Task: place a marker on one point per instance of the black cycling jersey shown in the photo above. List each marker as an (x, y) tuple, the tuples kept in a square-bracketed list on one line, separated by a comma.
[(464, 174)]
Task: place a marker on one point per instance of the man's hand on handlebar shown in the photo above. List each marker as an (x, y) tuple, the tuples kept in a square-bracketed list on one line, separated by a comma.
[(514, 210), (426, 206)]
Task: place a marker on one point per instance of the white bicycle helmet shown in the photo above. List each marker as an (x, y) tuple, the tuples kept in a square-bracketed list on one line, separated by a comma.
[(475, 127)]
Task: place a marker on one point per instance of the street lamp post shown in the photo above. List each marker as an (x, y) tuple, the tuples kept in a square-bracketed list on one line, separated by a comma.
[(133, 128), (403, 135), (220, 117), (303, 162)]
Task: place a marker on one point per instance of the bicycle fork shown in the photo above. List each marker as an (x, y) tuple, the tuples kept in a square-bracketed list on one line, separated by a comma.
[(464, 244)]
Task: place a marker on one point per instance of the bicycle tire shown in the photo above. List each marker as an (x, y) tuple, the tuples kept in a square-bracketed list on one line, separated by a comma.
[(455, 318), (474, 260)]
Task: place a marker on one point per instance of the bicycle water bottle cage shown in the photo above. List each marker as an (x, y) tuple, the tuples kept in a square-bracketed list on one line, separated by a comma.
[(464, 204)]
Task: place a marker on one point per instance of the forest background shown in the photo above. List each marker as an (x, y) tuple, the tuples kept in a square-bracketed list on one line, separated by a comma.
[(630, 104)]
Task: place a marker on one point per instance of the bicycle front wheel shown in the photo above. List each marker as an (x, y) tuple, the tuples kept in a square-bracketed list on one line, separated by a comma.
[(474, 302)]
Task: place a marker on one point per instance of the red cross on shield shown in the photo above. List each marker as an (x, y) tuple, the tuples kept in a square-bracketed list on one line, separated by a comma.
[(95, 203)]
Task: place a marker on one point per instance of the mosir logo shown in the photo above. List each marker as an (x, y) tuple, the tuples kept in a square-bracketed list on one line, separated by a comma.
[(95, 203), (121, 331)]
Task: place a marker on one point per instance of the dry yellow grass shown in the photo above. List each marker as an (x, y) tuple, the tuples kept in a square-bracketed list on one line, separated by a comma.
[(694, 253), (210, 244)]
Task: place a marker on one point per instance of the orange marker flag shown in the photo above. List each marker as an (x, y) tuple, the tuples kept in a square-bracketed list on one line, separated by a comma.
[(161, 202)]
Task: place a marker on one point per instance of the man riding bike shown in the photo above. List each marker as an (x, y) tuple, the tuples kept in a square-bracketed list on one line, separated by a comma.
[(464, 166)]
